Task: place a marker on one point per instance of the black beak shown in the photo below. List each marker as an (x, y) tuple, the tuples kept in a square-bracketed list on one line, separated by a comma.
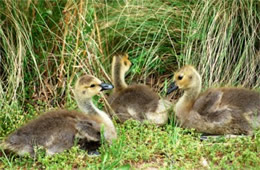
[(105, 86), (172, 88)]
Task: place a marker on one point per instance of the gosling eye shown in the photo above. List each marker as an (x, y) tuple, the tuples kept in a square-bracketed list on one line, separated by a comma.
[(180, 77), (92, 85), (125, 63)]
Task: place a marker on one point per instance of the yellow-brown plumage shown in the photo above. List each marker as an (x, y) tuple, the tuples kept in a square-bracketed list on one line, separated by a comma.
[(217, 110), (138, 102), (56, 130)]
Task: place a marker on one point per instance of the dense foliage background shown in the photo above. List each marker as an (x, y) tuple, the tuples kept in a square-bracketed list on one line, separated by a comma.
[(46, 45)]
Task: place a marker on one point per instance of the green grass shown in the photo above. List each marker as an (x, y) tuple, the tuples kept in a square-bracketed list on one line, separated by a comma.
[(139, 146), (46, 45), (224, 42)]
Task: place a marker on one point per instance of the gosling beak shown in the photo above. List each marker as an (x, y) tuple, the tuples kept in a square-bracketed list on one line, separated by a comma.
[(105, 86), (172, 88)]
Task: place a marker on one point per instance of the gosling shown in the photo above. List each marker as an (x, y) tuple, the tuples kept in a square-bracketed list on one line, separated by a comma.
[(138, 102), (217, 111), (56, 130)]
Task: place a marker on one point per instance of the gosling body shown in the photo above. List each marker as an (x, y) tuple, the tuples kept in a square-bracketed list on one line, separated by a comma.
[(216, 111), (138, 102), (56, 130)]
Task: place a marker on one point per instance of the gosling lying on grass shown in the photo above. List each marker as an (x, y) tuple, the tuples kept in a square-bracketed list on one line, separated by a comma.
[(217, 111), (138, 102), (56, 130)]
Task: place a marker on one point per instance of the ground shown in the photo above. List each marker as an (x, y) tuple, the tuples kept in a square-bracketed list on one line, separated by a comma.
[(141, 146)]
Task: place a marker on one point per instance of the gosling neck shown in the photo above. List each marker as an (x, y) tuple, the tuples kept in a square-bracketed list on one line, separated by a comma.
[(87, 106), (192, 93), (189, 97), (118, 76)]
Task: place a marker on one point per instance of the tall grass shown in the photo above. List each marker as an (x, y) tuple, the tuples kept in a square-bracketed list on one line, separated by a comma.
[(224, 41), (150, 31), (44, 45)]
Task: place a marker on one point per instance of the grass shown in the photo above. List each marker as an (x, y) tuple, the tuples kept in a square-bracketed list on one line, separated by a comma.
[(224, 42), (46, 45), (141, 146)]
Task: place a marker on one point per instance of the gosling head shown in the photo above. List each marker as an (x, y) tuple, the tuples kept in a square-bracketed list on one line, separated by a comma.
[(185, 78), (122, 61), (88, 86)]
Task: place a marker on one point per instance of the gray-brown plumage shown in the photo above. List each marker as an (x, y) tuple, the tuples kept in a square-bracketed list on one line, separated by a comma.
[(56, 130), (217, 110), (135, 101)]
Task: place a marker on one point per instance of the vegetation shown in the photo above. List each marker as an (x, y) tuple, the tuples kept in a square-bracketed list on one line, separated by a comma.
[(46, 45)]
